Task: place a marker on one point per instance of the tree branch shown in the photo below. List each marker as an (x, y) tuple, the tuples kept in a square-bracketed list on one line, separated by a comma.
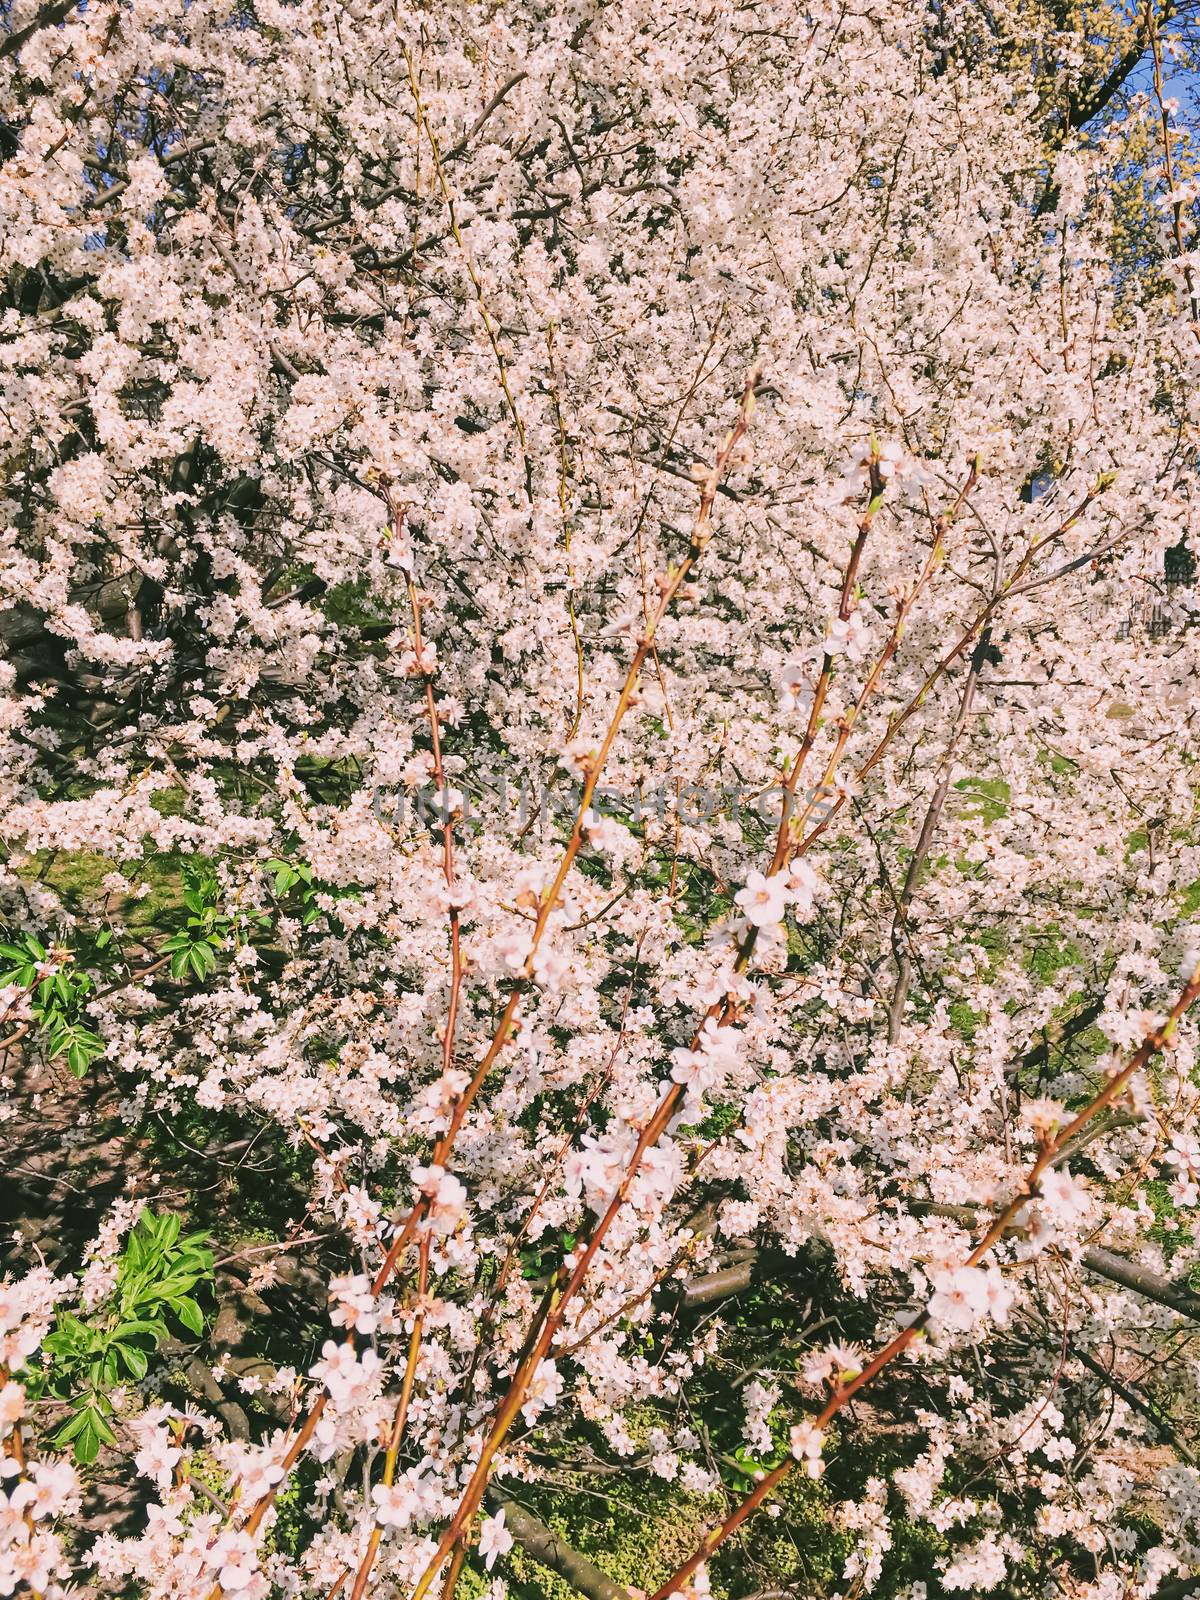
[(714, 1287), (548, 1549), (1136, 1402), (49, 17)]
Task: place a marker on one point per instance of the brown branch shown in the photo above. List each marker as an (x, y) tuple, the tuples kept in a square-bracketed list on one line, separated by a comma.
[(713, 1287), (548, 1549), (983, 619), (702, 533), (1136, 1402), (504, 90), (567, 1283), (1151, 1285), (561, 1292)]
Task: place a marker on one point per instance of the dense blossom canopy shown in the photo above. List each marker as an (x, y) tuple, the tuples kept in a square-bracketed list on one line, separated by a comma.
[(463, 471)]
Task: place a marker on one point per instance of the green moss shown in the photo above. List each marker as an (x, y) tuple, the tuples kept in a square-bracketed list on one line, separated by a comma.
[(170, 802), (201, 1465), (1168, 1229), (801, 1546), (916, 1549), (474, 1583), (78, 876), (1049, 953), (289, 1532), (638, 1532), (163, 874), (965, 1020), (989, 797)]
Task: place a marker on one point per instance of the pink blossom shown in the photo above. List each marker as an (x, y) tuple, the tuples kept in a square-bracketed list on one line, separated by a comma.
[(494, 1539)]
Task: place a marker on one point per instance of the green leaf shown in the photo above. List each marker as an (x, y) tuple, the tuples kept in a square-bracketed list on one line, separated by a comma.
[(136, 1361), (202, 959), (71, 1427), (89, 1431), (190, 1258), (168, 1228), (192, 953), (190, 1314), (95, 1433), (70, 1340), (152, 1327), (284, 873), (79, 1059), (135, 1248), (178, 1283)]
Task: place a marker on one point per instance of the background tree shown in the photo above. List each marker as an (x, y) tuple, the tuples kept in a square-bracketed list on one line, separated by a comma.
[(599, 771)]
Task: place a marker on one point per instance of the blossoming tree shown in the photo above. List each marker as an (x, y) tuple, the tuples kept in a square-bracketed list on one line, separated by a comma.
[(591, 692)]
